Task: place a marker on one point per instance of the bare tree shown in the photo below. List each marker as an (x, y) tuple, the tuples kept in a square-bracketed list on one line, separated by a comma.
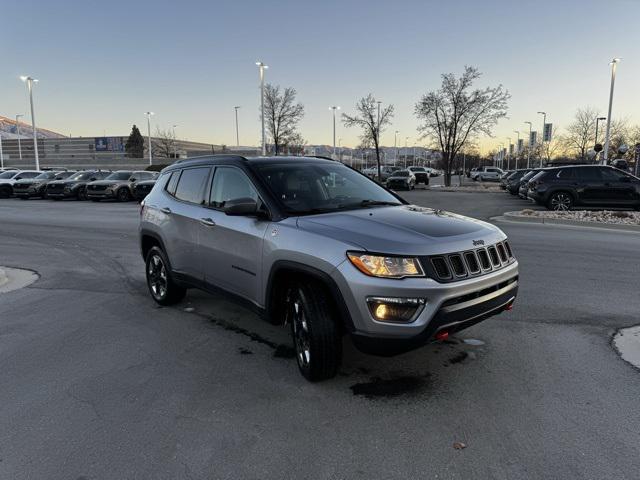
[(372, 124), (282, 115), (581, 133), (455, 114), (163, 143)]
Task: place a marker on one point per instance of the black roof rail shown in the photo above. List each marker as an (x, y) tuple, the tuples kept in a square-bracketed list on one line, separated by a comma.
[(215, 155), (322, 157)]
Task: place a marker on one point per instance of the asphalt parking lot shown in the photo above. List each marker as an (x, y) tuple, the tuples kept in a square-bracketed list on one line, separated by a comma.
[(98, 382)]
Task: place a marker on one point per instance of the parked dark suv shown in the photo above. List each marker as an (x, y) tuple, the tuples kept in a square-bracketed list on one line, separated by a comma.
[(562, 188), (119, 185), (317, 246), (37, 187), (74, 186)]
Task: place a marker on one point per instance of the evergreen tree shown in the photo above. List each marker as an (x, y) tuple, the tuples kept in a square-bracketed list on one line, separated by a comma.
[(135, 144)]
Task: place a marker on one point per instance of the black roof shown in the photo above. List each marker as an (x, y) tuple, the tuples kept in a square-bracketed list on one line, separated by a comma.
[(238, 159)]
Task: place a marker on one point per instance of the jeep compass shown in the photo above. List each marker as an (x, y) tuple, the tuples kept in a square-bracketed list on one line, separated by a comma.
[(317, 246)]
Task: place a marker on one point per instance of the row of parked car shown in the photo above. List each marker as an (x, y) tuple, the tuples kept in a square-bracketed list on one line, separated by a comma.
[(566, 187), (402, 178), (60, 183)]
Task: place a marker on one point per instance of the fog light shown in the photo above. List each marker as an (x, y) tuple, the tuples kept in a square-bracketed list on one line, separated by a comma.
[(395, 309)]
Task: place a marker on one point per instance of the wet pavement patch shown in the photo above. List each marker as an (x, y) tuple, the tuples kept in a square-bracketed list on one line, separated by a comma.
[(284, 351), (458, 358), (245, 351), (392, 387)]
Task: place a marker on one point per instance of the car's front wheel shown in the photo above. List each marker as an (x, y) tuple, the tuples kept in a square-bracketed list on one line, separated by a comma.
[(82, 194), (124, 195), (560, 201), (161, 286), (316, 336)]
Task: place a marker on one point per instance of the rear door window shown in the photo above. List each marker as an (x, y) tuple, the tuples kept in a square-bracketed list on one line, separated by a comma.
[(191, 184)]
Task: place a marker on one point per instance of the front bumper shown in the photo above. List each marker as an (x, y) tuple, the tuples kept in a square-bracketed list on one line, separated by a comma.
[(101, 194), (449, 306), (28, 193)]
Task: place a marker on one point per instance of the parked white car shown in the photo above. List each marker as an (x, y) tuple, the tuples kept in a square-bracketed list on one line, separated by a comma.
[(484, 174), (8, 178)]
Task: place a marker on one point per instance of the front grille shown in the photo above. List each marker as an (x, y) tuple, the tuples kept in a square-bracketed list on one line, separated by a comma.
[(97, 188), (479, 293), (21, 186), (458, 265), (55, 187)]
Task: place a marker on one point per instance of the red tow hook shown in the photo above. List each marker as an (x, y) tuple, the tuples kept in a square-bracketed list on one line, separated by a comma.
[(509, 307), (442, 336)]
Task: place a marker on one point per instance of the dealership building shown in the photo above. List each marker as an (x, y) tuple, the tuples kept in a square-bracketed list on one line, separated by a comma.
[(101, 152)]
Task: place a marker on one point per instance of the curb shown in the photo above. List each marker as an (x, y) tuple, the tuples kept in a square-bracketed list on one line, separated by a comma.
[(463, 190), (517, 217), (3, 278)]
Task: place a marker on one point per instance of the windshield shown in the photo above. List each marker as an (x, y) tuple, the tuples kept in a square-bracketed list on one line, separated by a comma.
[(401, 173), (46, 175), (81, 176), (9, 174), (418, 169), (305, 188), (119, 176), (530, 174)]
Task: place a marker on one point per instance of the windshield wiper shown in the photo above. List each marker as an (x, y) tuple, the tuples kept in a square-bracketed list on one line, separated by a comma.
[(368, 203)]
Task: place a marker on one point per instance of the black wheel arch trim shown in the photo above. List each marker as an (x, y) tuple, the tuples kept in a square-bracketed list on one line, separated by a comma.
[(319, 275)]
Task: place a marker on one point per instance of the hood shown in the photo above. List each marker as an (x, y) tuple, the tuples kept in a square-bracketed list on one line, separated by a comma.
[(406, 229)]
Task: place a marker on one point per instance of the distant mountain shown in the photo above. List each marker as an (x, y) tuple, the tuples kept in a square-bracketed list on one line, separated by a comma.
[(9, 130)]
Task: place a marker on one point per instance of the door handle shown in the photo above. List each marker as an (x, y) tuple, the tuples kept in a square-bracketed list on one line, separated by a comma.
[(207, 222), (166, 210)]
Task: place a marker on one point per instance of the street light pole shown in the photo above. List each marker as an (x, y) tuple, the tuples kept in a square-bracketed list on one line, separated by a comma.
[(405, 151), (262, 68), (529, 147), (237, 131), (544, 122), (597, 122), (148, 114), (508, 151), (517, 149), (395, 145), (1, 153), (175, 147), (18, 131), (30, 81), (614, 64), (334, 108)]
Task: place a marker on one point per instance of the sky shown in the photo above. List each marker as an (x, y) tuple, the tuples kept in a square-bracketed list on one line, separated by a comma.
[(101, 65)]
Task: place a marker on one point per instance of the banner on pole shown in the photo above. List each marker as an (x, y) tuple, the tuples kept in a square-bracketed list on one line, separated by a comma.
[(511, 147), (533, 139), (520, 144), (548, 128)]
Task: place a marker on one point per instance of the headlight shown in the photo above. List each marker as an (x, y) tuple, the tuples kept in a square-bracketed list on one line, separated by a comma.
[(386, 267)]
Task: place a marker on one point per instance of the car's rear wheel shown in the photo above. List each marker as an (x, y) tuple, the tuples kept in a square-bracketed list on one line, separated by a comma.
[(560, 202), (124, 195), (161, 286), (316, 336)]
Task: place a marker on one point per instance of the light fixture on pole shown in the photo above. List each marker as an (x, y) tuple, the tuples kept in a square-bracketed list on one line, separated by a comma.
[(529, 147), (544, 122), (614, 65), (175, 147), (30, 81), (148, 114), (334, 108), (18, 132), (237, 131), (262, 67)]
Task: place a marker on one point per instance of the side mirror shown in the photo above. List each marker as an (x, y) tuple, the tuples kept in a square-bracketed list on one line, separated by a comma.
[(133, 180), (241, 207), (93, 179)]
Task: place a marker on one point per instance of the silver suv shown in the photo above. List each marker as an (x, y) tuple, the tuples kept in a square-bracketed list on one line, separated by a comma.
[(318, 246)]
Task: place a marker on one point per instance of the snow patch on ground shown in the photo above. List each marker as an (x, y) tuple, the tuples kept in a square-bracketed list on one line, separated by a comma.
[(617, 217), (627, 342), (15, 278)]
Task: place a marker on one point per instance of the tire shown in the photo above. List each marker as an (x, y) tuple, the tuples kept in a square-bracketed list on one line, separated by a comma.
[(560, 202), (82, 194), (124, 195), (316, 336), (159, 282), (5, 191)]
